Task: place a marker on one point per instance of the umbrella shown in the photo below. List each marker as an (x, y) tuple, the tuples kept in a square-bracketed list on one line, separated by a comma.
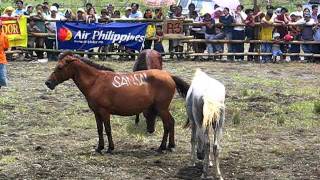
[(159, 3), (231, 4)]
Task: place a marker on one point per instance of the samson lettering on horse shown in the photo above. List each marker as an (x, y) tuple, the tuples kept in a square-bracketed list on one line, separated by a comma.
[(129, 80)]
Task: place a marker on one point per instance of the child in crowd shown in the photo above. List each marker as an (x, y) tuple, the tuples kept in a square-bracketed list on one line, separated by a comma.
[(276, 51), (158, 43)]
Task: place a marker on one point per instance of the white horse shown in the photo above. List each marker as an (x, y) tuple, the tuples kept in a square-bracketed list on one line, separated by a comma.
[(206, 113)]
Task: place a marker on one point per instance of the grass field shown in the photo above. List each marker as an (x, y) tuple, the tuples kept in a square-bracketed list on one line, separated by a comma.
[(271, 132)]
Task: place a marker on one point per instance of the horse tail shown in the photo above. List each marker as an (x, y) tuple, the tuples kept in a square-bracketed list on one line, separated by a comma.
[(211, 112), (181, 85)]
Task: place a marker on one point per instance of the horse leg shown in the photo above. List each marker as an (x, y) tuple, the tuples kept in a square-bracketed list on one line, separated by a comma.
[(193, 144), (206, 154), (137, 119), (107, 127), (168, 128), (150, 114), (100, 145), (216, 147)]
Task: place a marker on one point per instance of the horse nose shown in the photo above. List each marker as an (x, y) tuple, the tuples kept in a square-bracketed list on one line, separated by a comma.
[(200, 155), (47, 83)]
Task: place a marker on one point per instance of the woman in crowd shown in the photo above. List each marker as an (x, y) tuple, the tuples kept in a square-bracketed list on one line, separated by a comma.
[(238, 32), (91, 16), (176, 44), (69, 15), (226, 19), (151, 30)]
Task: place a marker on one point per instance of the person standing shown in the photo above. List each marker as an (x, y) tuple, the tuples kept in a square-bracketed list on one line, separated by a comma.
[(135, 13), (238, 32), (266, 35), (20, 10), (314, 13), (226, 19), (4, 45)]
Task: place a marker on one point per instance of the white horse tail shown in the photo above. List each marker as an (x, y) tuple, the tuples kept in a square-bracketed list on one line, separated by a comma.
[(211, 112)]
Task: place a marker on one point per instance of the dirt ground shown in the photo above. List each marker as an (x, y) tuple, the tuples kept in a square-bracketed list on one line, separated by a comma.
[(272, 130)]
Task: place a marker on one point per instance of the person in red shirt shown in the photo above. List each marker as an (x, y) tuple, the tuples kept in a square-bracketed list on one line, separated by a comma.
[(4, 45)]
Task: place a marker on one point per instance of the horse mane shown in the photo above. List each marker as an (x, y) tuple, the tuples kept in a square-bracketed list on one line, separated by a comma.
[(85, 60), (141, 62)]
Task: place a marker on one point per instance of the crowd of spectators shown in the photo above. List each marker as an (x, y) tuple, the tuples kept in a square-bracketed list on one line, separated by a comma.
[(241, 24)]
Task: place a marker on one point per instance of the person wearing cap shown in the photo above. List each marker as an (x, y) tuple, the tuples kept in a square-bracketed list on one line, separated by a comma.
[(58, 6), (8, 12), (19, 10), (283, 19), (127, 13), (266, 35), (51, 28), (29, 10), (4, 45), (307, 34), (81, 15), (276, 49)]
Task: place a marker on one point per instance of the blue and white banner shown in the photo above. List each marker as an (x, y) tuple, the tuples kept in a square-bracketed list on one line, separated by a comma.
[(82, 36)]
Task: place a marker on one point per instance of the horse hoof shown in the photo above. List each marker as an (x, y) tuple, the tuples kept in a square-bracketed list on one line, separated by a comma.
[(205, 177), (171, 149), (161, 149), (109, 151)]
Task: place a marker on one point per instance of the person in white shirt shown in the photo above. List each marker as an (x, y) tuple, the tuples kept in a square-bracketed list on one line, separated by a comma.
[(51, 28), (238, 31), (135, 13), (127, 13), (20, 9)]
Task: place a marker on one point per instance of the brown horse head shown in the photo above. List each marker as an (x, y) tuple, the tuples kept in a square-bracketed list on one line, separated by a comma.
[(62, 71)]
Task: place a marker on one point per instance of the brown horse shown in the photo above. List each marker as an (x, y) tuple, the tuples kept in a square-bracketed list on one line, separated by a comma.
[(124, 94), (147, 59)]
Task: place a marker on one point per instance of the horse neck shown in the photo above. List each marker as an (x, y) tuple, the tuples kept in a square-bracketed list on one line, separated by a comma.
[(84, 76)]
